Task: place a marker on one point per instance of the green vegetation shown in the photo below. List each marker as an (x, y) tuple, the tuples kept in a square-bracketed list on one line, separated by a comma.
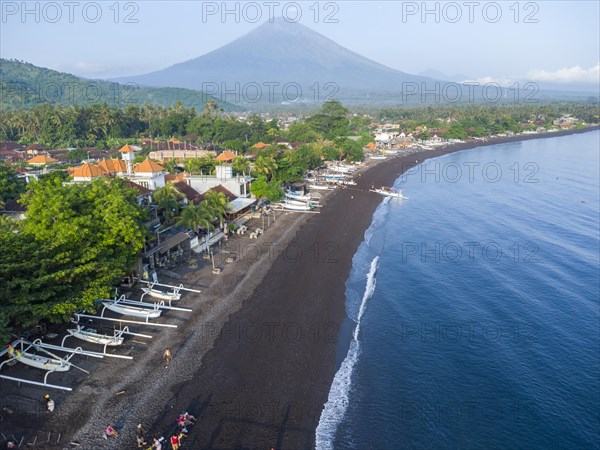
[(75, 244), (479, 120), (23, 86), (10, 185)]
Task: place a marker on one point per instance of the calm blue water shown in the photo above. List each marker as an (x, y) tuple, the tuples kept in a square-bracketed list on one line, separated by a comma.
[(477, 306)]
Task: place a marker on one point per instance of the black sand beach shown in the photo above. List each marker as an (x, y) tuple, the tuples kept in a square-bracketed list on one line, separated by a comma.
[(255, 360)]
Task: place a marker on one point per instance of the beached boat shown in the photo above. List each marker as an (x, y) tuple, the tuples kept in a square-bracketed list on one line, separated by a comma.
[(320, 187), (41, 362), (388, 192), (299, 197), (91, 335), (298, 202), (346, 182), (297, 207), (335, 175), (163, 295), (132, 311), (377, 157)]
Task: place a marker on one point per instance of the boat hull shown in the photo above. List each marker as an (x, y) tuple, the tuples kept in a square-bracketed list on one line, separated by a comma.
[(132, 311), (44, 363), (111, 341), (171, 296)]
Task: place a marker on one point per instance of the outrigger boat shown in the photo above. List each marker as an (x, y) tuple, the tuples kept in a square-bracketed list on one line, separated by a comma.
[(21, 351), (388, 192), (322, 187), (92, 335), (39, 361), (299, 197), (132, 311), (163, 295), (297, 207)]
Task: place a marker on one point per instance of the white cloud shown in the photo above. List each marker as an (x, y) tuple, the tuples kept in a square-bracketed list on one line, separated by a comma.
[(575, 74), (487, 80)]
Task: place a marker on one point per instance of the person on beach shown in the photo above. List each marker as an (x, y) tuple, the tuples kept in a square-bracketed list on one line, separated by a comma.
[(167, 356), (139, 435), (109, 431), (158, 443), (175, 442), (49, 403), (187, 418)]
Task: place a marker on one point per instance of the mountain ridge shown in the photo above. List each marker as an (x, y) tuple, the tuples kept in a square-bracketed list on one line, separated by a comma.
[(25, 85), (283, 52)]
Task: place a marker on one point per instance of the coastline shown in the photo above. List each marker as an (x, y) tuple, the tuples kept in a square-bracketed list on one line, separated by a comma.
[(254, 362), (266, 388)]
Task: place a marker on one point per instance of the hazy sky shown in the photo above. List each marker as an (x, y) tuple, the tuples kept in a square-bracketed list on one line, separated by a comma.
[(543, 40)]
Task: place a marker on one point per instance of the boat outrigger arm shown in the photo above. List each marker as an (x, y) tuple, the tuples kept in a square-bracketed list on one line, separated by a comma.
[(19, 351)]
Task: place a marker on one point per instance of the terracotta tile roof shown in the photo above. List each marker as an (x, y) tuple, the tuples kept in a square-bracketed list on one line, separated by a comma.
[(86, 171), (41, 159), (174, 177), (113, 166), (190, 193), (148, 166), (224, 190), (260, 145), (127, 149), (226, 156)]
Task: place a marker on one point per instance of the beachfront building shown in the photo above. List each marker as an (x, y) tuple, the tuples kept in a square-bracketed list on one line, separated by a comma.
[(238, 185), (179, 156)]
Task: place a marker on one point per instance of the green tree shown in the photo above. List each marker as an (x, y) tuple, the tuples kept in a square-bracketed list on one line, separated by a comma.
[(240, 165), (74, 245), (11, 186), (167, 198), (195, 216), (265, 165)]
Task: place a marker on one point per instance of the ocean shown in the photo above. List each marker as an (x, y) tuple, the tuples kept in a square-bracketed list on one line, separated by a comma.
[(473, 306)]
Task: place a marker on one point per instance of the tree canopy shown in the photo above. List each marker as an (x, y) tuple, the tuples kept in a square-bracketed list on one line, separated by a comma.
[(75, 243)]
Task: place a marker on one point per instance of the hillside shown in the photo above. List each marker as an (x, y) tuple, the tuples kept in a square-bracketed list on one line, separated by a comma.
[(23, 85)]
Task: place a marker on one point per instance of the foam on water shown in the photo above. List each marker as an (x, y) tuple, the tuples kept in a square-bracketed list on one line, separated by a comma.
[(337, 403)]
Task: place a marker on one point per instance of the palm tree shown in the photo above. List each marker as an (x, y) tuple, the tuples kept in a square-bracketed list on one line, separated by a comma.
[(195, 216), (217, 203), (240, 165), (167, 198), (265, 165)]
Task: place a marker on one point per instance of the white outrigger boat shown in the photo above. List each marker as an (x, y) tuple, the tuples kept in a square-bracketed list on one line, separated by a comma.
[(92, 335), (320, 187), (388, 192), (131, 311), (297, 207), (39, 361), (162, 295), (35, 355), (299, 197)]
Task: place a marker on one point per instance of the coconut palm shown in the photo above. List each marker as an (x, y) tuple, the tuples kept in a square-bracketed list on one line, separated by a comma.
[(240, 165), (217, 203), (167, 198), (265, 165), (195, 216)]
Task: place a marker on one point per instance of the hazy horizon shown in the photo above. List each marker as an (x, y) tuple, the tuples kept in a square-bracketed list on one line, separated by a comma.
[(552, 42)]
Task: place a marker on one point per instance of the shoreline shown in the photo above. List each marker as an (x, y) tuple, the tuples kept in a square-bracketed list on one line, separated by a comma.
[(254, 363)]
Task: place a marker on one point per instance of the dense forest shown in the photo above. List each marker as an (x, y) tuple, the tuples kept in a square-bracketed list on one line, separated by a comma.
[(24, 86)]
